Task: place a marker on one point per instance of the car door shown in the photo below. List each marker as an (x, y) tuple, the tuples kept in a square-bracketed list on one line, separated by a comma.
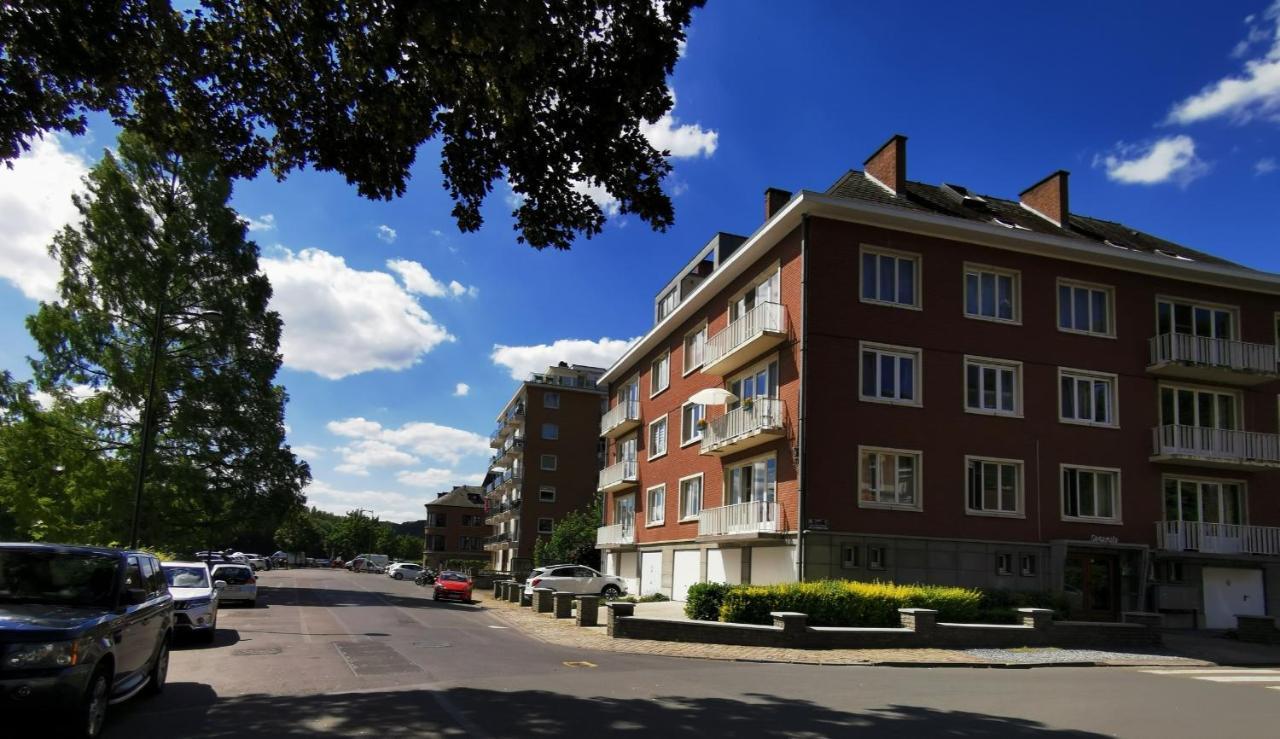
[(566, 580), (152, 613), (132, 645)]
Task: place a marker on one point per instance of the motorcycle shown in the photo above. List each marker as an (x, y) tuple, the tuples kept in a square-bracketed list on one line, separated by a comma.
[(426, 578)]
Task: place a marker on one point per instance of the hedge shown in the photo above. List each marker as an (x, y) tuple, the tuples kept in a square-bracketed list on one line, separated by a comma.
[(704, 600), (999, 606), (846, 603)]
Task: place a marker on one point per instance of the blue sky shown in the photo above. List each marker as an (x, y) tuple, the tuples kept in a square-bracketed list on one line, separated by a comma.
[(1166, 114)]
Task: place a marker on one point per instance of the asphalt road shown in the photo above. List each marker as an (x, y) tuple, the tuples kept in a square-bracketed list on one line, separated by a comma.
[(338, 654)]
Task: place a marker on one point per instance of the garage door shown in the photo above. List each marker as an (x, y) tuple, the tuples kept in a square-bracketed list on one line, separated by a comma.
[(627, 569), (650, 572), (1231, 592), (724, 565), (772, 565), (685, 571)]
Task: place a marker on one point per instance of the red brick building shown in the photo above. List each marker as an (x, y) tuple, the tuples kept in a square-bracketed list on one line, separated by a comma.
[(547, 454), (927, 385), (455, 527)]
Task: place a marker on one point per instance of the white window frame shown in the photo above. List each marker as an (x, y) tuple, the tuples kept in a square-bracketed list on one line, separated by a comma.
[(542, 493), (655, 515), (547, 397), (665, 360), (917, 357), (696, 436), (1117, 519), (729, 469), (702, 496), (666, 444), (1015, 275), (1111, 306), (1233, 310), (554, 428), (1237, 403), (1095, 376), (684, 359), (542, 462), (1023, 569), (854, 562), (549, 528), (918, 505), (1004, 563), (1198, 479), (1020, 494), (879, 562), (997, 364), (918, 287)]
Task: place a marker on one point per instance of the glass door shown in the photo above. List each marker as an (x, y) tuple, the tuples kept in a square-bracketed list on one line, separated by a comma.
[(1180, 406), (1195, 320), (624, 510), (1091, 586)]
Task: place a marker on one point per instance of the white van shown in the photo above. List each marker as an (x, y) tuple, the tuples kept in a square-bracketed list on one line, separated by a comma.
[(375, 562)]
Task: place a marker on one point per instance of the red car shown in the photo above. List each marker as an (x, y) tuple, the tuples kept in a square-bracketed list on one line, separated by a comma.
[(453, 585)]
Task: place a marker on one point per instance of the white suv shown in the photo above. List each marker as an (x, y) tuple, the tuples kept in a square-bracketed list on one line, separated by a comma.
[(575, 579)]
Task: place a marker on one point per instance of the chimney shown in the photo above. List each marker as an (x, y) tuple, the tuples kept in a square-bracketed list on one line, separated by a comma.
[(1048, 198), (888, 165), (774, 200)]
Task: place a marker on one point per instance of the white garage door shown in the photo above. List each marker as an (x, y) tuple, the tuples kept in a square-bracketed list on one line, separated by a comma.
[(684, 572), (724, 565), (627, 568), (1231, 592), (650, 572), (773, 565)]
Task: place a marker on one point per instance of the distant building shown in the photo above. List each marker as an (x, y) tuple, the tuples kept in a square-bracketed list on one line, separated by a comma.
[(455, 527)]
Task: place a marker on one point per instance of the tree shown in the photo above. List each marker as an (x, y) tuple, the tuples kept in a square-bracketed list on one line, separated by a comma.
[(548, 95), (355, 534), (162, 312), (572, 540), (299, 533)]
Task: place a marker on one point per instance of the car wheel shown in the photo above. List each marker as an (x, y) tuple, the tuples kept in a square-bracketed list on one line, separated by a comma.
[(159, 671), (91, 714), (611, 591), (209, 634), (435, 596), (398, 576), (253, 603)]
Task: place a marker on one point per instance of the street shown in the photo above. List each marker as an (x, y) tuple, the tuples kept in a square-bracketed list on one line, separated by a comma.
[(330, 653)]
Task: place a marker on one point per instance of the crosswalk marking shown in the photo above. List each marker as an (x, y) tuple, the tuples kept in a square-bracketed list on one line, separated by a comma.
[(1241, 678), (1226, 675), (1213, 671)]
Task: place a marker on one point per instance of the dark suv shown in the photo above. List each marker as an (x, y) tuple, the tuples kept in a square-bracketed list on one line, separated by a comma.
[(80, 628)]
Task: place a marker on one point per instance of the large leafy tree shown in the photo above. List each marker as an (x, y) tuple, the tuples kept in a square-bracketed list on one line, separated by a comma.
[(548, 95), (162, 313), (572, 540)]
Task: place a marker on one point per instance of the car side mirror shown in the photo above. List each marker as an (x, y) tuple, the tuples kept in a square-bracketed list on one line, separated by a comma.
[(135, 597), (219, 584)]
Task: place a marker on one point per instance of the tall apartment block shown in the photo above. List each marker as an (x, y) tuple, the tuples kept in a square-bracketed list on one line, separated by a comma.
[(897, 381), (545, 463), (455, 528)]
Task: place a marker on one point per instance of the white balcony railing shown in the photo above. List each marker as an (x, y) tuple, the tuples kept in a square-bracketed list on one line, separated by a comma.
[(1241, 447), (616, 474), (615, 535), (627, 410), (765, 317), (763, 414), (1217, 538), (752, 517), (1238, 356)]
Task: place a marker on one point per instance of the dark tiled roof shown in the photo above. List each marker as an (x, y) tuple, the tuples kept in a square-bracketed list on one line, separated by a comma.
[(464, 496), (918, 196)]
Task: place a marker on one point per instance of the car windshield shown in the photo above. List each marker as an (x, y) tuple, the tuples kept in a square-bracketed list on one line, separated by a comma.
[(33, 576), (453, 577), (233, 575), (186, 577)]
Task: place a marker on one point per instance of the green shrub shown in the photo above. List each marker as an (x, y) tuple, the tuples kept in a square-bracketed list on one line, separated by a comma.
[(999, 606), (704, 600), (653, 598), (845, 603)]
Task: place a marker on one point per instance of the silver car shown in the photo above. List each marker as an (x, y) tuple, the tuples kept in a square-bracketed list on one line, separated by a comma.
[(195, 599), (575, 579)]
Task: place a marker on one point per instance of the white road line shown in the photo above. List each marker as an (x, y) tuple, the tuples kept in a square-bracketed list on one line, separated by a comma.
[(1214, 671), (1241, 678)]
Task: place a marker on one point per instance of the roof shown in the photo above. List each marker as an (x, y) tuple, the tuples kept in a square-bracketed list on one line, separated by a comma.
[(462, 496), (67, 548)]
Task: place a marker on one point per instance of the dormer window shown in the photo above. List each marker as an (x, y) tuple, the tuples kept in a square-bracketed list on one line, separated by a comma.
[(668, 303)]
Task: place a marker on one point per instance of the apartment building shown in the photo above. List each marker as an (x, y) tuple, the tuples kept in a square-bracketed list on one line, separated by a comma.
[(891, 380), (545, 460), (455, 527)]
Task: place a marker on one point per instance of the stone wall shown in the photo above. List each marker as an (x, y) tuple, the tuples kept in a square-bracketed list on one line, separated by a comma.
[(1257, 629)]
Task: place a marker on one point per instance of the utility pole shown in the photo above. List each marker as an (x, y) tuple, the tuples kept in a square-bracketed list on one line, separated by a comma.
[(147, 412)]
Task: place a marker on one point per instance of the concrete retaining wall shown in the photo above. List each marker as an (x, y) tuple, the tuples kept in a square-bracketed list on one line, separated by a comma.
[(1257, 629)]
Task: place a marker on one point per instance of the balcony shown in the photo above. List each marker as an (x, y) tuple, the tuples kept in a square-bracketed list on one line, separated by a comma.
[(1217, 538), (620, 419), (615, 536), (1205, 359), (748, 520), (618, 476), (512, 417), (744, 427), (502, 512), (512, 448), (1206, 447), (499, 541), (761, 328)]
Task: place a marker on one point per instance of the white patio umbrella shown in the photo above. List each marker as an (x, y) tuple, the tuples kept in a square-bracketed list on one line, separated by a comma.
[(713, 396)]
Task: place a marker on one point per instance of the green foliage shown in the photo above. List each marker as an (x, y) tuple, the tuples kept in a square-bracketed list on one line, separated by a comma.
[(355, 534), (704, 600), (846, 603), (572, 540), (542, 95), (653, 598), (300, 533), (999, 606), (467, 565)]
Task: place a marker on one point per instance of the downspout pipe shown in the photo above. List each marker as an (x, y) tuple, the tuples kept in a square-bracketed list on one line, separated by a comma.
[(804, 384)]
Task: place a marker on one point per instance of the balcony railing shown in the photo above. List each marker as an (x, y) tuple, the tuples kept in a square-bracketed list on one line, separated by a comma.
[(1222, 446), (616, 535), (752, 517), (1203, 357), (740, 427), (1217, 538), (499, 541), (618, 476), (765, 321), (621, 418), (499, 513)]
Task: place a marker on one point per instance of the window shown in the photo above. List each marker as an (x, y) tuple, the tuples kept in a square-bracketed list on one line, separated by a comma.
[(889, 478), (1180, 317), (993, 386), (753, 481), (1190, 406), (438, 520), (690, 497), (546, 494), (435, 543), (1173, 572), (1084, 308), (660, 374), (545, 525), (668, 303), (850, 556), (549, 462), (876, 558), (890, 374), (694, 344), (994, 487), (691, 422), (1004, 563), (1087, 398), (470, 543), (551, 400), (891, 278), (470, 520), (765, 291), (991, 293), (656, 502), (550, 431), (1091, 494), (1027, 565), (1203, 501), (658, 438)]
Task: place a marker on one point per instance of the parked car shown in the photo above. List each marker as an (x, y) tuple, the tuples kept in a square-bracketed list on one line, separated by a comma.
[(575, 579), (374, 562), (195, 598), (81, 628), (452, 585), (257, 563), (242, 584), (403, 570)]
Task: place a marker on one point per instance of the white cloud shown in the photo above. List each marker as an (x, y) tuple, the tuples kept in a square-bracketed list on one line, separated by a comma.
[(340, 321), (597, 192), (423, 438), (388, 505), (461, 390), (35, 203), (307, 451), (681, 141), (73, 392), (457, 289), (265, 222), (417, 279), (524, 360), (1169, 159), (1266, 165), (387, 234), (1255, 91), (362, 454), (433, 477)]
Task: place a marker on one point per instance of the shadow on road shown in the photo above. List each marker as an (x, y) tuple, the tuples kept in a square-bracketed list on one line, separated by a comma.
[(480, 713), (223, 637), (338, 598)]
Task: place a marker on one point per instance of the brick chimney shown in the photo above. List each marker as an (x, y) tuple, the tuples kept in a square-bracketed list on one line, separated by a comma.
[(889, 164), (774, 200), (1048, 198)]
